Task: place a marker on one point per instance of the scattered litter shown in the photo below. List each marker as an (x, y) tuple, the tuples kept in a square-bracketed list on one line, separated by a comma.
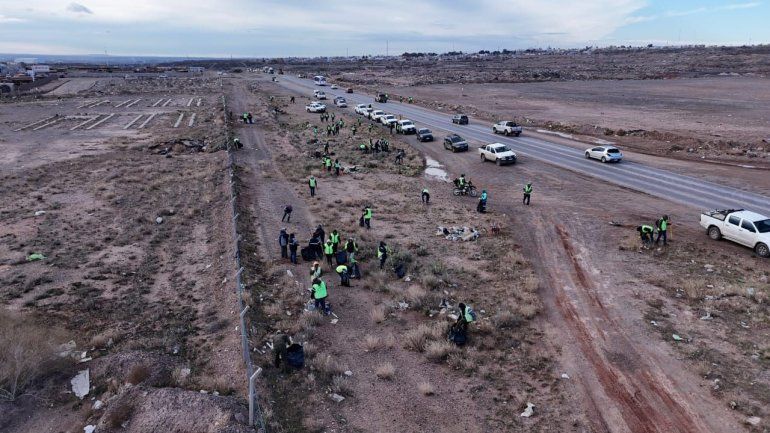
[(334, 321), (39, 213), (348, 373), (707, 316), (159, 220), (98, 404), (744, 325), (408, 278), (458, 233), (616, 223), (35, 257), (676, 337), (81, 384), (529, 410), (403, 305), (66, 349), (337, 398), (653, 323), (288, 272), (564, 376), (754, 420), (750, 291), (82, 360), (89, 429)]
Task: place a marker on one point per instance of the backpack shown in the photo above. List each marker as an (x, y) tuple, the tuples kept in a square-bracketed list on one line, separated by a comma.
[(470, 311), (295, 356)]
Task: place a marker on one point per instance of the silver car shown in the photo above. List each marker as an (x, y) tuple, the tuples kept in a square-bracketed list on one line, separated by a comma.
[(605, 153)]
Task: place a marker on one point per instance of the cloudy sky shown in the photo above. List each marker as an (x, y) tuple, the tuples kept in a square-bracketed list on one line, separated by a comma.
[(256, 28)]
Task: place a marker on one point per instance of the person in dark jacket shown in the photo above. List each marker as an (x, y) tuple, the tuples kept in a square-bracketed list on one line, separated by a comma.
[(319, 233), (287, 213), (283, 241), (293, 245)]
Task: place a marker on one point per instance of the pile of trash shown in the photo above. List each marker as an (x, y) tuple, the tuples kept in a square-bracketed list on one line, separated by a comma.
[(458, 233)]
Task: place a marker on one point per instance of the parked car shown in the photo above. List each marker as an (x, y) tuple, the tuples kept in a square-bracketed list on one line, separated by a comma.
[(360, 108), (376, 114), (340, 102), (740, 226), (381, 97), (424, 134), (605, 153), (497, 152), (388, 119), (507, 128), (320, 95), (460, 119), (455, 143), (349, 90), (334, 86), (405, 127), (315, 107)]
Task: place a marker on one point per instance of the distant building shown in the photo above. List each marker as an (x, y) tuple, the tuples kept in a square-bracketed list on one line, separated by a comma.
[(196, 69), (41, 69), (26, 60)]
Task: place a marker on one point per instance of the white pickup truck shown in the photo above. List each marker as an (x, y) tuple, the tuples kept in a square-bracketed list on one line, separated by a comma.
[(740, 226), (497, 152), (507, 128)]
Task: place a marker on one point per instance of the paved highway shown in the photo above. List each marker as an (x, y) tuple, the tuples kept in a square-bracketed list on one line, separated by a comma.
[(661, 183)]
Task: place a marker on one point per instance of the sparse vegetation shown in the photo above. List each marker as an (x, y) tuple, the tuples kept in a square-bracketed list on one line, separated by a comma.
[(385, 371), (426, 389)]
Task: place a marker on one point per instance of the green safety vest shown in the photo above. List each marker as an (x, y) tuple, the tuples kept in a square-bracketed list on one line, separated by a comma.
[(329, 248), (483, 196), (334, 238), (337, 165), (362, 146), (328, 162), (319, 290), (341, 268), (528, 189), (381, 252), (461, 181), (425, 191), (312, 182), (367, 214), (663, 225), (647, 229), (468, 316)]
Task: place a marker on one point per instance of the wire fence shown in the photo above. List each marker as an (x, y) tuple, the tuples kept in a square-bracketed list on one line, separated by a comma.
[(255, 411)]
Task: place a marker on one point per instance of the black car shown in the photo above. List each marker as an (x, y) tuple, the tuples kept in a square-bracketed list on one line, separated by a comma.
[(455, 143), (349, 90), (460, 119), (424, 134)]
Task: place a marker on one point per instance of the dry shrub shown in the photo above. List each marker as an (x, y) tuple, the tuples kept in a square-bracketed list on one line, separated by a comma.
[(27, 352), (507, 320), (426, 389), (389, 342), (438, 351), (371, 343), (313, 425), (530, 283), (379, 313), (341, 385), (272, 310), (137, 374), (385, 371), (310, 350), (695, 288), (118, 413), (417, 338), (416, 296), (219, 384), (629, 243), (180, 377), (104, 340), (328, 365)]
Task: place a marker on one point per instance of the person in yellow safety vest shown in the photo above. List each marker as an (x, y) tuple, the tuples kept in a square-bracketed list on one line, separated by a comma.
[(645, 232), (335, 238), (662, 230), (425, 196), (342, 271), (462, 183), (315, 271), (467, 315), (329, 251), (328, 163), (527, 193), (313, 184), (411, 99), (319, 294), (382, 253), (337, 167), (368, 217), (351, 248)]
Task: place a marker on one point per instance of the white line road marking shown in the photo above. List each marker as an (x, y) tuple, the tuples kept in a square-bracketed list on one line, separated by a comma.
[(123, 103), (133, 103), (33, 124), (190, 101), (133, 121), (179, 120), (192, 120), (48, 124), (199, 102), (147, 120), (101, 121), (158, 102), (167, 102), (86, 104), (99, 103), (90, 119)]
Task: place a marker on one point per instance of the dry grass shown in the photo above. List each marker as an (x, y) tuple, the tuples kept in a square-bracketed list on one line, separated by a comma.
[(385, 371), (379, 313), (313, 425), (104, 340), (416, 296), (219, 384), (629, 243), (27, 351), (507, 320), (438, 351), (426, 389), (389, 342), (137, 374), (341, 385), (118, 413), (327, 365), (372, 343), (417, 338)]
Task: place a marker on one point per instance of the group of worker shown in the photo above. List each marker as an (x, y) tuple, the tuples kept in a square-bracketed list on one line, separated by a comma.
[(328, 165), (247, 118), (647, 232)]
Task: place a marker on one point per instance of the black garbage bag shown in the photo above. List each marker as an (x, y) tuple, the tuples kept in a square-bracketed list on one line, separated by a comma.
[(295, 355), (400, 270)]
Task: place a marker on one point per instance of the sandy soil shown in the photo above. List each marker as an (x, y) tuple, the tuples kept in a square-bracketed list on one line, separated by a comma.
[(137, 260)]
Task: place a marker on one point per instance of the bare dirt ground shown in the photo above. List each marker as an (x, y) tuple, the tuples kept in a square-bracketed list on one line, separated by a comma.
[(134, 229)]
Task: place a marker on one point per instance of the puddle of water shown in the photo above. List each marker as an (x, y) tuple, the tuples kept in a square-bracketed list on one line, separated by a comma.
[(433, 169)]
